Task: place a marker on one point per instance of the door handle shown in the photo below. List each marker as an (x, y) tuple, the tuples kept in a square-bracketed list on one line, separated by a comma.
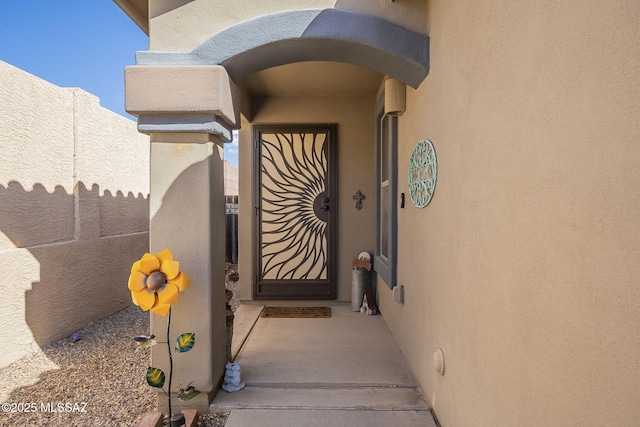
[(325, 204)]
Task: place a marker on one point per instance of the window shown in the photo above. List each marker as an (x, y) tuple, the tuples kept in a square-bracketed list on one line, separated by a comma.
[(386, 194)]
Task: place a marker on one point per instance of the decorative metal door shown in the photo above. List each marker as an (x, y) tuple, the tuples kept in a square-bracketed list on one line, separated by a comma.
[(296, 211)]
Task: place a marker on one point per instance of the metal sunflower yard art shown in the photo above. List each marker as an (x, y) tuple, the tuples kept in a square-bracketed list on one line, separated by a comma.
[(155, 282)]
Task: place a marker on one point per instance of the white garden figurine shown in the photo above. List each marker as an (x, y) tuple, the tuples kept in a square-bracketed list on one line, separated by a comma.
[(232, 380)]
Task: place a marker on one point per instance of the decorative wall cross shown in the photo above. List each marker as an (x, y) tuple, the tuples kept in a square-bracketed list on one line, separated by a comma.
[(359, 197)]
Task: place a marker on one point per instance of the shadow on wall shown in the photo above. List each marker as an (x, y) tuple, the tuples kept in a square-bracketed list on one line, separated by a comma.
[(84, 244)]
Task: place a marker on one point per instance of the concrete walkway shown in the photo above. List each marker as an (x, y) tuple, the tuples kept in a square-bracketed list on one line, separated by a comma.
[(342, 371)]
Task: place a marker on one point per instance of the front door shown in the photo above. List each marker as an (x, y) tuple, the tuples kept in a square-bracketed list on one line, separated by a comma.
[(296, 211)]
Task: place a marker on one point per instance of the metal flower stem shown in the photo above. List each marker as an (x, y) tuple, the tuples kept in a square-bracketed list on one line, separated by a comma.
[(170, 364)]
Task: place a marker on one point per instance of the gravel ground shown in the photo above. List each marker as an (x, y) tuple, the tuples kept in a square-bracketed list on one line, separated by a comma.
[(100, 378)]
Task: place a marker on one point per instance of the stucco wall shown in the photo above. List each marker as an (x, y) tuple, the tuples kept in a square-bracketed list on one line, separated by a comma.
[(524, 268), (74, 183), (195, 21), (187, 216), (355, 160), (230, 179)]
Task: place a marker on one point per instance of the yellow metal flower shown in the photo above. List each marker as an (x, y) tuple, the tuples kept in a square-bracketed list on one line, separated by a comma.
[(155, 281)]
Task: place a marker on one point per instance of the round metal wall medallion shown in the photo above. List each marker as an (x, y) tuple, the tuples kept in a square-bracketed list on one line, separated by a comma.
[(423, 172)]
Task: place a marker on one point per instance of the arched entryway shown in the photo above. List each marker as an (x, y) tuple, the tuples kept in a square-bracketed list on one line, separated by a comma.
[(309, 35), (189, 102)]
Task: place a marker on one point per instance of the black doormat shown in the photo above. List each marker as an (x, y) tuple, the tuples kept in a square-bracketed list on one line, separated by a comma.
[(297, 312)]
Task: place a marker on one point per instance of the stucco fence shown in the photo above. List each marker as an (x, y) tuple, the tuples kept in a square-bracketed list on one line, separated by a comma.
[(74, 211)]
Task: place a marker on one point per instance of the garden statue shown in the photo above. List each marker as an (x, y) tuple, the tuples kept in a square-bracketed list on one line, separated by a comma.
[(155, 282)]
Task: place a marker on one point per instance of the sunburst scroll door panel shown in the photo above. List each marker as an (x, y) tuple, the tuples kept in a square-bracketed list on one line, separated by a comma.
[(295, 212)]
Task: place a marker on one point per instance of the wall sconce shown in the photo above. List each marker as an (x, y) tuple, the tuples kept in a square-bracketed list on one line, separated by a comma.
[(395, 97)]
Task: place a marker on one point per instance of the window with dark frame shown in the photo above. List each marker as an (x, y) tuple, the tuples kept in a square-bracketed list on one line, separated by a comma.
[(386, 194)]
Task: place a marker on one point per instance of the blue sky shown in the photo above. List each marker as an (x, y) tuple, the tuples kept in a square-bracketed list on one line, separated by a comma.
[(75, 43), (72, 43)]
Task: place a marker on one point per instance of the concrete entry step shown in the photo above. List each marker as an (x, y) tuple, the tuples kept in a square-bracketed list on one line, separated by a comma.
[(341, 371), (324, 418), (342, 398)]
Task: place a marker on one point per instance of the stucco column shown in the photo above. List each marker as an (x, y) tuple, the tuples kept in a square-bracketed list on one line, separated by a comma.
[(188, 111), (187, 216)]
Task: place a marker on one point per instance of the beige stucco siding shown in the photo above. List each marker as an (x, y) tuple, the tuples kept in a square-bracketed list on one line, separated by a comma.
[(181, 28), (524, 267), (355, 156), (187, 179), (74, 182), (195, 21)]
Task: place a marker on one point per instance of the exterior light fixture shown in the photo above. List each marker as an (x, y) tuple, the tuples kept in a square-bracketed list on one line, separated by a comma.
[(395, 97)]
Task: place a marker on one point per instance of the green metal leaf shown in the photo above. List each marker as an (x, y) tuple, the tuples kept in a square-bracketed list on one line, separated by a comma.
[(155, 377), (185, 342)]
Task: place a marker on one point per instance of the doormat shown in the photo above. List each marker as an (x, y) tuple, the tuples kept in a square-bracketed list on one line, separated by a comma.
[(297, 312)]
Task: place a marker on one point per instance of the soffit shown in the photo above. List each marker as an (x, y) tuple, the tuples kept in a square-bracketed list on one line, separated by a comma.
[(314, 78), (137, 11)]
